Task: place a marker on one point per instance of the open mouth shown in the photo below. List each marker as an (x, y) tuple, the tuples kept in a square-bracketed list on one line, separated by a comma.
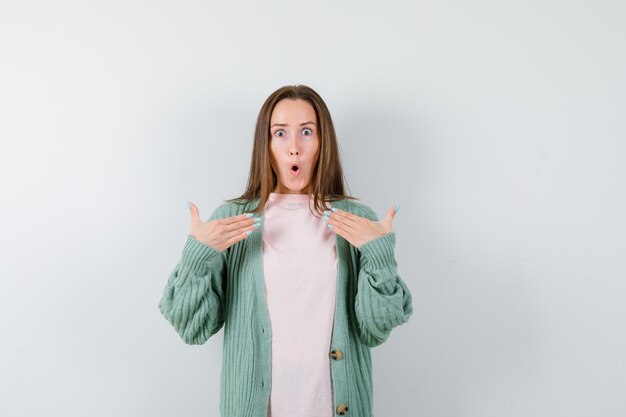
[(295, 168)]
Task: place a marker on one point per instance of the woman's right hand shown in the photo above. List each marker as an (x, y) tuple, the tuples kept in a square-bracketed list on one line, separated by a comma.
[(220, 234)]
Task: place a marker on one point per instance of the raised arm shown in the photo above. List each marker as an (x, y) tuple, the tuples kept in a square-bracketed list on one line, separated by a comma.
[(194, 295), (383, 301)]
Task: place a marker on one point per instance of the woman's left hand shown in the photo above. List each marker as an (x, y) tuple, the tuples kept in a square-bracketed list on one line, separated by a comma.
[(359, 230)]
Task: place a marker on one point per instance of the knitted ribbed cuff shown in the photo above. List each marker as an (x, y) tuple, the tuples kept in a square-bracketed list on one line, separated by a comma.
[(379, 251), (196, 254)]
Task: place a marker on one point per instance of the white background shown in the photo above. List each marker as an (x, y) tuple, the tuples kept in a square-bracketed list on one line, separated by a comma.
[(498, 127)]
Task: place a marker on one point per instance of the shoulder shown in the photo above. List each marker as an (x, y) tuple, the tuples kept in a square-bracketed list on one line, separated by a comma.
[(358, 208), (229, 209)]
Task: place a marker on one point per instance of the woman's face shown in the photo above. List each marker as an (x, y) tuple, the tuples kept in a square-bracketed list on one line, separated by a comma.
[(293, 140)]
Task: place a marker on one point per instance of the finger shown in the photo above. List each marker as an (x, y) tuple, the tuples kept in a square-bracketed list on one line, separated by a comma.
[(236, 238), (351, 226), (239, 230), (341, 230), (345, 216), (235, 223), (391, 214), (195, 213), (235, 219)]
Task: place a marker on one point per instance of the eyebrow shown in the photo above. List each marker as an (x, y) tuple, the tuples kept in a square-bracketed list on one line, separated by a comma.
[(301, 124)]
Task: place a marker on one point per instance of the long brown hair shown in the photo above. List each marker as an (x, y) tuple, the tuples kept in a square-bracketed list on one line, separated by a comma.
[(327, 182)]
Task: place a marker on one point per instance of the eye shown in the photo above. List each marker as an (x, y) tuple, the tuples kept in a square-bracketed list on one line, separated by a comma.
[(276, 133), (305, 129)]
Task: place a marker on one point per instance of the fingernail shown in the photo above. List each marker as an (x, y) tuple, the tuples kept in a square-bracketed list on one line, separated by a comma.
[(256, 225), (334, 209), (397, 208), (249, 231), (248, 215), (330, 226), (327, 212), (326, 218), (257, 219)]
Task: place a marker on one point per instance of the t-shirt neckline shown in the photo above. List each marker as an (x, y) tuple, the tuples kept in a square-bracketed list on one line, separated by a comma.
[(290, 201)]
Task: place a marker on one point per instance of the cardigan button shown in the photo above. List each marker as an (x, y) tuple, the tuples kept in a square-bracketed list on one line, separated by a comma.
[(336, 354), (342, 409)]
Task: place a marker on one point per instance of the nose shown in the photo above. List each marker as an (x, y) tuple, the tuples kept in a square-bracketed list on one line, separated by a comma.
[(294, 149)]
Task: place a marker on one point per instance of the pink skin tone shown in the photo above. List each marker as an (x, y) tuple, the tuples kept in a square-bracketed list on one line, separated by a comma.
[(293, 130)]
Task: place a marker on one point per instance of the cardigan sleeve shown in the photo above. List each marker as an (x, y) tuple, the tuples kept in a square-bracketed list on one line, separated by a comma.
[(194, 295), (383, 301)]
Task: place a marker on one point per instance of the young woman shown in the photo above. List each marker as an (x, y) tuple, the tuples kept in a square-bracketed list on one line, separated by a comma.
[(302, 298)]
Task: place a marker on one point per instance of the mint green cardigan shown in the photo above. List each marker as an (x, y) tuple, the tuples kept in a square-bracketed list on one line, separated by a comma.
[(209, 289)]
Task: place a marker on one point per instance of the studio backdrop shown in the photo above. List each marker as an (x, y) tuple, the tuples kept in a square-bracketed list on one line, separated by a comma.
[(496, 126)]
